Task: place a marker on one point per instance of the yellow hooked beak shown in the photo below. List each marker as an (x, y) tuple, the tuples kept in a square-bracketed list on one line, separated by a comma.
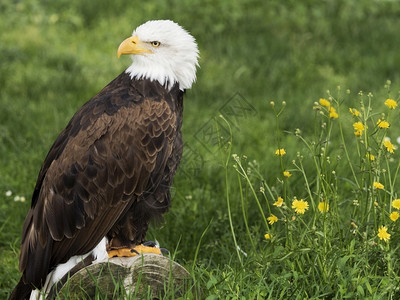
[(132, 45)]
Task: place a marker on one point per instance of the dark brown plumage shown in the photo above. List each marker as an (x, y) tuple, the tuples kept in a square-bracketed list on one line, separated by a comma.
[(107, 174)]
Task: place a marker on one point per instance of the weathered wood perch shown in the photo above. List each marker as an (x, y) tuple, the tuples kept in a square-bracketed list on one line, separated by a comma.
[(136, 275)]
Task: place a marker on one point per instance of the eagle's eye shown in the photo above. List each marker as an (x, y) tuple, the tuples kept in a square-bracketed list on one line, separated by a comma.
[(155, 43)]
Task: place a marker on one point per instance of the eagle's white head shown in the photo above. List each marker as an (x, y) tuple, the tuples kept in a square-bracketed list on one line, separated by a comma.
[(162, 50)]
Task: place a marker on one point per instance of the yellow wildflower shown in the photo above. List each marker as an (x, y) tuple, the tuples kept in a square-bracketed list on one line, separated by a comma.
[(370, 156), (396, 203), (300, 206), (378, 185), (279, 202), (358, 133), (383, 234), (280, 152), (323, 207), (391, 103), (389, 146), (272, 219), (324, 102), (354, 112), (268, 236), (358, 126), (287, 174), (332, 113), (382, 124), (394, 216)]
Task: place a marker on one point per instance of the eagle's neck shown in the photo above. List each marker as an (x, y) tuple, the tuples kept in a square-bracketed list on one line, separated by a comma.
[(165, 72), (153, 70)]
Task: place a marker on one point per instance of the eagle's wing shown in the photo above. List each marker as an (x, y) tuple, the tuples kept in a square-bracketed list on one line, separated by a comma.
[(105, 158)]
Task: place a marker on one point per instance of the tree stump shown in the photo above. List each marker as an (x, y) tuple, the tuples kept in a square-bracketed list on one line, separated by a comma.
[(147, 276)]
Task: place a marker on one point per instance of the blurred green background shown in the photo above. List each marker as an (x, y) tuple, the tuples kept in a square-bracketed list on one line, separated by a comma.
[(55, 55)]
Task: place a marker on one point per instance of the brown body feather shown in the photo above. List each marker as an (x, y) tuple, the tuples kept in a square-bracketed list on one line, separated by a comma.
[(107, 174)]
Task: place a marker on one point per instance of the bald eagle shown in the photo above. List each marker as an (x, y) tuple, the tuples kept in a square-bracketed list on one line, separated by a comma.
[(110, 170)]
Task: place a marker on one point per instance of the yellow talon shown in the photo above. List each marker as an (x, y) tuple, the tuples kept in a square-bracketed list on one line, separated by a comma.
[(129, 252)]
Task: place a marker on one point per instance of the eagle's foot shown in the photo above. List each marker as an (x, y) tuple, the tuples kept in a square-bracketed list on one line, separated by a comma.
[(147, 247), (156, 245)]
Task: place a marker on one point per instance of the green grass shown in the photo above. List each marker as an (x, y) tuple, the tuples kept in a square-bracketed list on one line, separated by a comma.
[(55, 55)]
